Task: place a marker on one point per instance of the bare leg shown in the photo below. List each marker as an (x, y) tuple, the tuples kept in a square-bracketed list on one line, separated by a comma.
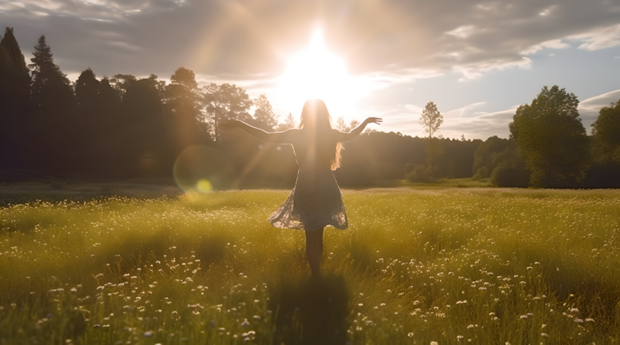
[(314, 250)]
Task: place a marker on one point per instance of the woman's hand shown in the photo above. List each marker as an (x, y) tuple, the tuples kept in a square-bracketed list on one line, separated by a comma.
[(376, 120)]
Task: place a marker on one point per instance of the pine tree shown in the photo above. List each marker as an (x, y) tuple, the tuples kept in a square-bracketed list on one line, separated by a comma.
[(9, 42), (341, 125), (289, 123), (14, 89), (264, 113), (353, 125), (53, 111), (225, 102), (51, 89)]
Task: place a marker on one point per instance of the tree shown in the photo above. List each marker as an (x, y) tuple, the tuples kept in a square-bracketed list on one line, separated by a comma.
[(510, 170), (606, 132), (341, 125), (184, 77), (354, 123), (14, 91), (434, 155), (52, 105), (225, 102), (289, 123), (264, 113), (51, 89), (145, 127), (183, 100), (88, 111), (431, 119), (86, 95), (551, 138), (14, 76), (183, 107), (484, 157)]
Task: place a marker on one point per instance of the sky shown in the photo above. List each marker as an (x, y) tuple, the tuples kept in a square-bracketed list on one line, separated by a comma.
[(476, 60)]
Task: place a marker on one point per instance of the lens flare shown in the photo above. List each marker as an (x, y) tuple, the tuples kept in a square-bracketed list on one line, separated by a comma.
[(203, 169), (204, 186), (317, 73)]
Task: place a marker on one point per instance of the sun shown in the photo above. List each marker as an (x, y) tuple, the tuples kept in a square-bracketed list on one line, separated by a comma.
[(317, 73)]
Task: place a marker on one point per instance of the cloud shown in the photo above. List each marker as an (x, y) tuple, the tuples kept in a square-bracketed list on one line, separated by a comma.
[(476, 70), (553, 44), (391, 42), (388, 77), (590, 107), (405, 118), (600, 38), (465, 111), (385, 44), (475, 124), (462, 31)]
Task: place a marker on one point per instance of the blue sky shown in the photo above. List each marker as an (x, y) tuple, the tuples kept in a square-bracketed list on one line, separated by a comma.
[(477, 60)]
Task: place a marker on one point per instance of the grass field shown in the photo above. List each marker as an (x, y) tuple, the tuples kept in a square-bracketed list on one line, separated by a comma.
[(417, 265)]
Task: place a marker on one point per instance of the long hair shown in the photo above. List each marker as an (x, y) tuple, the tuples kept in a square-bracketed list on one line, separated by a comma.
[(315, 118)]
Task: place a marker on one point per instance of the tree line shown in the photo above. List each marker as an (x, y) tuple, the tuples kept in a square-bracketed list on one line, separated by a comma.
[(125, 126), (549, 147)]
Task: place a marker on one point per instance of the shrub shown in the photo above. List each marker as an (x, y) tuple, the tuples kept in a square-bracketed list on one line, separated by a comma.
[(420, 173), (481, 173), (506, 176)]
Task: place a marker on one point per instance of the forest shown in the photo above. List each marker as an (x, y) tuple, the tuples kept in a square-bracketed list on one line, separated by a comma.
[(125, 126)]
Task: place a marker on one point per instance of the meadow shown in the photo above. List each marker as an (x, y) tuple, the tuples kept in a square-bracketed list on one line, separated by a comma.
[(416, 266)]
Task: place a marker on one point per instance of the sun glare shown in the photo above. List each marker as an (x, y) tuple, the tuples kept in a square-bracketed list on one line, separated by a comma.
[(317, 73)]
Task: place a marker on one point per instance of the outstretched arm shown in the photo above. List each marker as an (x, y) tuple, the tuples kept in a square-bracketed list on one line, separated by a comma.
[(342, 137), (285, 137)]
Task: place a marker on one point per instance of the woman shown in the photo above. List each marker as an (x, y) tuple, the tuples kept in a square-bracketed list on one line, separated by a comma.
[(315, 202)]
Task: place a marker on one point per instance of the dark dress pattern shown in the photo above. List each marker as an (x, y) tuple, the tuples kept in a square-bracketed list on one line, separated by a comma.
[(316, 201)]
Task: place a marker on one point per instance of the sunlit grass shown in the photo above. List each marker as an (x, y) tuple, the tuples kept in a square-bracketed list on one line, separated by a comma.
[(415, 266)]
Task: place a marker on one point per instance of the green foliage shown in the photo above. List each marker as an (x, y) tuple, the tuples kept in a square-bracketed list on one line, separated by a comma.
[(510, 170), (605, 170), (15, 53), (51, 89), (183, 107), (14, 82), (434, 155), (99, 112), (510, 176), (187, 78), (416, 265), (289, 122), (225, 102), (606, 132), (431, 119), (264, 113), (485, 155), (551, 138), (341, 125), (53, 112), (481, 173), (87, 95), (419, 173)]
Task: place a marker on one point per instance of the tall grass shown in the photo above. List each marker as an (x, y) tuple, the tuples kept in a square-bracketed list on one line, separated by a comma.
[(446, 265)]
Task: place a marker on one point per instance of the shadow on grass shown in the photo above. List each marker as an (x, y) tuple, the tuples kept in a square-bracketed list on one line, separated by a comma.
[(311, 312)]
